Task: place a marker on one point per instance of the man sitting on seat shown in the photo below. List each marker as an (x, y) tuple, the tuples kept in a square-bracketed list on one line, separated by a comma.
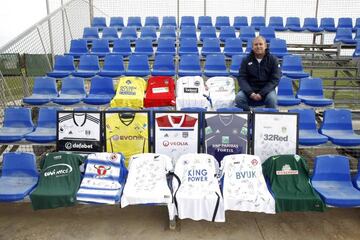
[(258, 77)]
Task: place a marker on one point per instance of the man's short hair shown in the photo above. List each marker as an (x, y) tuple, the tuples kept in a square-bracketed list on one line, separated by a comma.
[(260, 37)]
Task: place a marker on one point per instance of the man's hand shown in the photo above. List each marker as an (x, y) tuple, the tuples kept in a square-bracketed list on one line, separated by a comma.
[(256, 97)]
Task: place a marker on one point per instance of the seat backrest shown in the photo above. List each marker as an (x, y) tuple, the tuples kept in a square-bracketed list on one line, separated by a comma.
[(188, 45), (233, 44), (102, 85), (337, 119), (267, 32), (98, 22), (138, 62), (117, 22), (18, 117), (222, 21), (134, 21), (187, 21), (257, 21), (204, 21), (211, 44), (100, 45), (345, 22), (247, 32), (357, 35), (276, 21), (249, 44), (122, 45), (166, 44), (78, 46), (148, 32), (128, 32), (285, 87), (91, 32), (357, 23), (19, 164), (310, 22), (331, 168), (114, 62), (227, 32), (164, 61), (278, 45), (266, 110), (215, 61), (310, 87), (236, 61), (64, 63), (327, 22), (292, 63), (188, 32), (143, 44), (207, 32), (307, 119), (292, 22), (109, 32), (169, 21), (45, 85), (168, 32), (152, 21), (73, 85), (345, 33), (240, 21), (190, 61), (47, 117), (89, 62)]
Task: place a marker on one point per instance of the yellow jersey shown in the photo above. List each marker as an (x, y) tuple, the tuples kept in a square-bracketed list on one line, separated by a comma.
[(130, 93)]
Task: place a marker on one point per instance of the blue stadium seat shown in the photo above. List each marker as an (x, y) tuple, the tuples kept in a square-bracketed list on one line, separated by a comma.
[(277, 23), (345, 22), (45, 131), (85, 108), (311, 24), (229, 109), (143, 46), (337, 125), (122, 47), (222, 21), (164, 65), (328, 24), (101, 91), (188, 46), (311, 92), (233, 46), (138, 66), (357, 35), (129, 33), (268, 33), (169, 21), (270, 110), (240, 21), (134, 22), (90, 34), (285, 93), (207, 32), (44, 91), (152, 21), (188, 32), (64, 66), (88, 66), (189, 65), (227, 33), (308, 133), (215, 65), (17, 123), (148, 33), (19, 176), (110, 33), (204, 21), (168, 32), (344, 35), (210, 46), (332, 180), (113, 66), (257, 22), (99, 22), (78, 47), (356, 178), (357, 50), (293, 24), (187, 21), (72, 91), (278, 47), (100, 48), (249, 44), (117, 22), (247, 33), (166, 46), (292, 67), (235, 64), (357, 24)]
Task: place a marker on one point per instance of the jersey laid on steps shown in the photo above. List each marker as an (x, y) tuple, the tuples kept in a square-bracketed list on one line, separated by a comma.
[(289, 179), (190, 92), (244, 186), (160, 92), (59, 181), (146, 182), (196, 188), (104, 176), (221, 91)]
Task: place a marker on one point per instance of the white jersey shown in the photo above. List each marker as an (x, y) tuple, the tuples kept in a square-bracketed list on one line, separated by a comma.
[(244, 187), (190, 92), (146, 182), (79, 126), (101, 181), (221, 91), (196, 188)]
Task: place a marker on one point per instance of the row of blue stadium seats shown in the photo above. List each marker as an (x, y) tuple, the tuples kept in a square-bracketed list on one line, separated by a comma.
[(292, 23)]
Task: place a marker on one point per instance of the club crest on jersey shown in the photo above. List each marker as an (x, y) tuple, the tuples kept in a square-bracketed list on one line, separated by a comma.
[(185, 134), (101, 170), (197, 83), (208, 130), (128, 82), (113, 157), (254, 162)]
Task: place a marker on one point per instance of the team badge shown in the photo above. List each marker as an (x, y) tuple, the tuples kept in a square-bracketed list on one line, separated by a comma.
[(113, 157), (208, 130), (101, 170), (185, 134), (254, 162), (128, 82), (197, 83)]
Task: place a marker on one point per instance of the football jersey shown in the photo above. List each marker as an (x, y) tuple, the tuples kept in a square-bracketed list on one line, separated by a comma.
[(101, 181), (196, 188), (290, 183), (176, 134), (146, 181), (225, 134), (244, 186), (160, 92), (127, 133), (190, 92), (221, 91), (79, 126), (130, 93)]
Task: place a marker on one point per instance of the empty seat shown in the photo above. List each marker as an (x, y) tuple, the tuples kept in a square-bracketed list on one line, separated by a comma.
[(188, 46), (247, 33), (99, 22), (117, 22), (164, 65), (210, 46), (357, 50), (332, 180), (17, 123), (357, 24), (345, 22), (311, 24), (328, 24), (187, 21), (233, 46), (337, 125), (44, 91), (152, 21), (215, 65), (344, 35), (226, 33), (277, 23), (72, 91), (204, 21), (356, 178), (293, 24), (113, 66), (292, 67), (278, 47), (138, 66), (166, 46), (188, 32), (160, 92), (19, 176), (257, 22), (190, 65), (122, 47), (78, 47), (240, 21), (222, 21), (357, 35), (134, 22), (268, 33), (148, 33), (110, 33), (45, 131), (235, 64), (143, 46), (101, 91), (249, 46), (169, 21), (168, 32), (129, 33), (64, 66), (207, 32), (308, 133), (90, 33), (88, 66), (100, 47), (311, 92), (285, 93)]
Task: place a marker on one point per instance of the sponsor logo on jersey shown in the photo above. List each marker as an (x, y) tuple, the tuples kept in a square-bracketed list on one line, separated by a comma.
[(101, 170), (167, 143), (191, 90), (225, 139), (197, 175), (131, 138), (127, 90), (58, 170), (286, 170), (70, 146), (208, 130), (275, 138), (245, 174)]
